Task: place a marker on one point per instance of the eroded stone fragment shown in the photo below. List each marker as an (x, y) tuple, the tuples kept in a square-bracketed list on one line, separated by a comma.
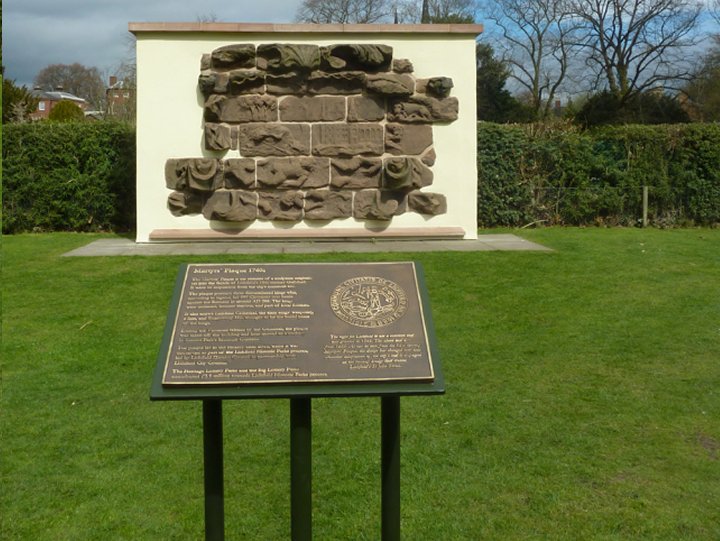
[(204, 174), (404, 139), (239, 173), (286, 83), (365, 108), (205, 62), (219, 136), (327, 204), (378, 205), (427, 203), (286, 173), (245, 81), (284, 57), (176, 173), (429, 157), (356, 173), (423, 109), (347, 139), (212, 82), (404, 173), (274, 139), (283, 206), (390, 84), (250, 108), (231, 206), (343, 82), (439, 87), (402, 65), (365, 57), (186, 202), (233, 57), (312, 109)]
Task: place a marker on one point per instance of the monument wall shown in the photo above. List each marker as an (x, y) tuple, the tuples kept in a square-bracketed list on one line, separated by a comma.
[(294, 131)]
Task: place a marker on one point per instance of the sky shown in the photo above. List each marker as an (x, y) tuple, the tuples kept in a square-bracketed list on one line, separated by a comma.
[(37, 33)]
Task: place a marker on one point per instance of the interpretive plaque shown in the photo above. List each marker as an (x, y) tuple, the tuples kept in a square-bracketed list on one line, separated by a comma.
[(243, 324)]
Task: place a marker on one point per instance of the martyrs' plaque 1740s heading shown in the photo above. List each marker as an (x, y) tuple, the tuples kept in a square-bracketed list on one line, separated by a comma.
[(294, 323)]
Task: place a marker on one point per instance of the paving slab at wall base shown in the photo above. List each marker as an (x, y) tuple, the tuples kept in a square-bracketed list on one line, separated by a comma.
[(484, 243), (314, 128)]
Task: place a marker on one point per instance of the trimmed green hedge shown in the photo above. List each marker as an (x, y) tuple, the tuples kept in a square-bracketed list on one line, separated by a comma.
[(561, 175), (77, 176)]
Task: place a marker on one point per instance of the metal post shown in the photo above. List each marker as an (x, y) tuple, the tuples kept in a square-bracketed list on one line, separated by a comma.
[(300, 469), (645, 206), (213, 451), (390, 464)]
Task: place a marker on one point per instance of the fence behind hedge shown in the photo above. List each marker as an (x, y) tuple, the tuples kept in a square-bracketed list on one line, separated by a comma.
[(560, 175), (81, 176), (76, 176)]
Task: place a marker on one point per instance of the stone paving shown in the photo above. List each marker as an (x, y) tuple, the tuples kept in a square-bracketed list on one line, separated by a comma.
[(127, 247)]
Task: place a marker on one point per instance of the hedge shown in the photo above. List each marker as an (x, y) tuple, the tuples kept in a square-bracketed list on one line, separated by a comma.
[(561, 175), (76, 176), (81, 176)]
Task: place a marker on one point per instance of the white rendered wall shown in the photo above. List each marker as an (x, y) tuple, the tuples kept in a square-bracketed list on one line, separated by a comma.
[(170, 122)]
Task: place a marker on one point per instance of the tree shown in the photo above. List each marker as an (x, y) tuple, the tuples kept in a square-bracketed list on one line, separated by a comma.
[(494, 101), (17, 101), (344, 11), (640, 108), (76, 79), (66, 111), (636, 45), (536, 34), (702, 92)]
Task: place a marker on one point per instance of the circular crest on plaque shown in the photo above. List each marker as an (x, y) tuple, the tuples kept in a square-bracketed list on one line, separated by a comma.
[(368, 301)]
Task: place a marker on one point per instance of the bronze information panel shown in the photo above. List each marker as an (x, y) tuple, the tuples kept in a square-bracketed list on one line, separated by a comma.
[(296, 323)]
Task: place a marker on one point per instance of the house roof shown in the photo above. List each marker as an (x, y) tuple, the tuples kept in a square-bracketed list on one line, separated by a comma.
[(56, 95)]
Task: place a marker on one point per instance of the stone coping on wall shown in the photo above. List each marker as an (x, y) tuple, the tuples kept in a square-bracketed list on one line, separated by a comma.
[(265, 28), (436, 233)]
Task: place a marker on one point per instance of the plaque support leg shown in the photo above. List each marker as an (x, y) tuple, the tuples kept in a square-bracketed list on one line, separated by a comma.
[(213, 451), (390, 464), (301, 469)]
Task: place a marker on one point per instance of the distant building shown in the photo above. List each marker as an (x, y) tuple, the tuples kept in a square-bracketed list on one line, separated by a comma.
[(49, 99), (120, 99)]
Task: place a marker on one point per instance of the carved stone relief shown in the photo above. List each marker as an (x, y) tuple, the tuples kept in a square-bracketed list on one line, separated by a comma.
[(323, 133)]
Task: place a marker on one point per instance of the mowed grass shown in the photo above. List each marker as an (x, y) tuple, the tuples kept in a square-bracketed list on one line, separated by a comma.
[(583, 402)]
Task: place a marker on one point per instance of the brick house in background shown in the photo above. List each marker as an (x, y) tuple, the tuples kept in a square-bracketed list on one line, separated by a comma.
[(120, 99), (49, 99)]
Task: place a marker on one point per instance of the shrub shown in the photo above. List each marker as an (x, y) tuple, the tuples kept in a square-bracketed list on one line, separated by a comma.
[(564, 176), (68, 177), (606, 108), (66, 111)]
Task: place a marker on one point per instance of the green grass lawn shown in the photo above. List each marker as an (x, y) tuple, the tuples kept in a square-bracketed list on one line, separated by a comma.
[(583, 402)]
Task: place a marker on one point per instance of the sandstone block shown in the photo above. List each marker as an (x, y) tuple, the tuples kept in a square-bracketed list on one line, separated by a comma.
[(283, 206), (205, 62), (390, 84), (231, 206), (183, 203), (423, 109), (327, 204), (274, 139), (404, 173), (429, 157), (312, 109), (342, 82), (378, 205), (245, 82), (250, 108), (365, 57), (280, 58), (347, 139), (439, 87), (213, 82), (427, 203), (365, 109), (233, 57), (356, 173), (402, 65), (407, 139), (286, 83), (286, 173), (219, 136), (239, 173), (176, 173), (204, 174)]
